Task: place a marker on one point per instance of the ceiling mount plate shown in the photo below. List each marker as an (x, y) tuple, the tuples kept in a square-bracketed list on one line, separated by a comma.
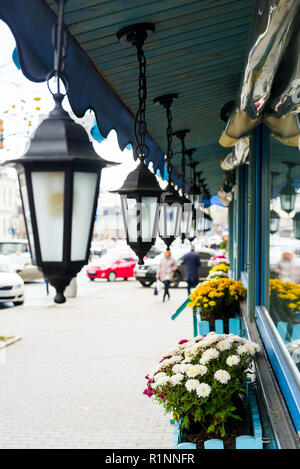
[(190, 151), (136, 33), (193, 164), (181, 134), (165, 100)]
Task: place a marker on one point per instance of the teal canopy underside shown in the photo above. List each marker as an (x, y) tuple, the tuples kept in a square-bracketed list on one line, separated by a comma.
[(198, 51)]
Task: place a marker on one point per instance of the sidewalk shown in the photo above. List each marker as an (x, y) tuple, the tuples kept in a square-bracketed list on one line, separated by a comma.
[(76, 378)]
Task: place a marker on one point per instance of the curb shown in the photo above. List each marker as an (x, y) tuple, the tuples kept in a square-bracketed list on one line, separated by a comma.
[(12, 340)]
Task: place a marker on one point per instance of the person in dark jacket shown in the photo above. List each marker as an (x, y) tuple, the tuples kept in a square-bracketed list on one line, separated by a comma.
[(192, 263)]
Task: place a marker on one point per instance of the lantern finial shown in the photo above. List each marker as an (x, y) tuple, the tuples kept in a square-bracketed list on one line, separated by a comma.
[(141, 191)]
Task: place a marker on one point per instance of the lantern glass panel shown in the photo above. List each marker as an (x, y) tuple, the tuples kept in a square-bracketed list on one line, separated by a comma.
[(296, 225), (84, 192), (274, 222), (207, 224), (170, 220), (195, 199), (48, 195), (129, 206), (149, 211), (186, 219), (288, 199), (27, 216)]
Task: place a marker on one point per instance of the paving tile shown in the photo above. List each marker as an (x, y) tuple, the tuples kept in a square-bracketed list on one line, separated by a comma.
[(77, 376)]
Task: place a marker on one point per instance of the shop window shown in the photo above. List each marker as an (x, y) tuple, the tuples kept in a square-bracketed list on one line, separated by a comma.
[(284, 286)]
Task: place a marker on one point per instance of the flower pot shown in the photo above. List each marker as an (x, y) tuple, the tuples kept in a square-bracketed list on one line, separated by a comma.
[(245, 434), (231, 326), (200, 379)]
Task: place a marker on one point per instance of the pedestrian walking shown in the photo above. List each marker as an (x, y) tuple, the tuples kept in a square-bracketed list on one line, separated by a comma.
[(192, 262), (287, 269), (165, 272)]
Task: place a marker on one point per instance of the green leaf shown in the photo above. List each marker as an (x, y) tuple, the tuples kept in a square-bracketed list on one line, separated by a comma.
[(211, 428)]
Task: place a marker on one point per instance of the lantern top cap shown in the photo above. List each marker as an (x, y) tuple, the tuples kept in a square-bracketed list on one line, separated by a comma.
[(170, 195), (136, 34), (140, 180)]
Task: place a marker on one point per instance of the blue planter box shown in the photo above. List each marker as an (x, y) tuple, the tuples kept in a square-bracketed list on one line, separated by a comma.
[(253, 441)]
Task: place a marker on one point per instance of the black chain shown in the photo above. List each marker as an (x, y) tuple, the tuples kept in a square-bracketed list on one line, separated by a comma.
[(140, 126), (59, 44), (169, 140), (183, 164)]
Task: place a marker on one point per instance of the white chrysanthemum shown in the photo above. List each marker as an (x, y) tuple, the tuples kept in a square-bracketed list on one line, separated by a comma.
[(175, 359), (198, 338), (176, 379), (203, 390), (242, 349), (233, 360), (187, 360), (195, 370), (159, 367), (159, 375), (162, 380), (169, 353), (176, 368), (166, 362), (209, 340), (188, 354), (250, 348), (222, 376), (238, 339), (202, 369), (181, 368), (212, 337), (191, 384), (191, 371), (208, 355), (195, 350), (224, 345)]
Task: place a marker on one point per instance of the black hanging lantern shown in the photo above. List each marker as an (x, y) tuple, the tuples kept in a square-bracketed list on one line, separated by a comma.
[(274, 221), (140, 192), (186, 217), (296, 224), (288, 192), (274, 174), (195, 190), (195, 196), (171, 201), (194, 224), (206, 222), (59, 178)]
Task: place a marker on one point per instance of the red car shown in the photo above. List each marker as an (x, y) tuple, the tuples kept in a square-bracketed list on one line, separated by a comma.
[(111, 268)]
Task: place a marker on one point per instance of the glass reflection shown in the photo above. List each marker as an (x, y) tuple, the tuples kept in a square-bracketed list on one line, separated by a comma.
[(284, 285)]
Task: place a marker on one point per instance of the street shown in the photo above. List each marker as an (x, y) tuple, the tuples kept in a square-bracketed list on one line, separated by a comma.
[(76, 378)]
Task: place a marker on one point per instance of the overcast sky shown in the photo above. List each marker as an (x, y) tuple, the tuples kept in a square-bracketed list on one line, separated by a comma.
[(22, 102)]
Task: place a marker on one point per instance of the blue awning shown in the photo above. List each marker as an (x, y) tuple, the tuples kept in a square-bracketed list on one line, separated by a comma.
[(198, 51), (31, 25)]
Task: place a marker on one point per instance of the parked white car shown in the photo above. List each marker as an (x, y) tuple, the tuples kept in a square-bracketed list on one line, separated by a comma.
[(16, 251), (11, 284)]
